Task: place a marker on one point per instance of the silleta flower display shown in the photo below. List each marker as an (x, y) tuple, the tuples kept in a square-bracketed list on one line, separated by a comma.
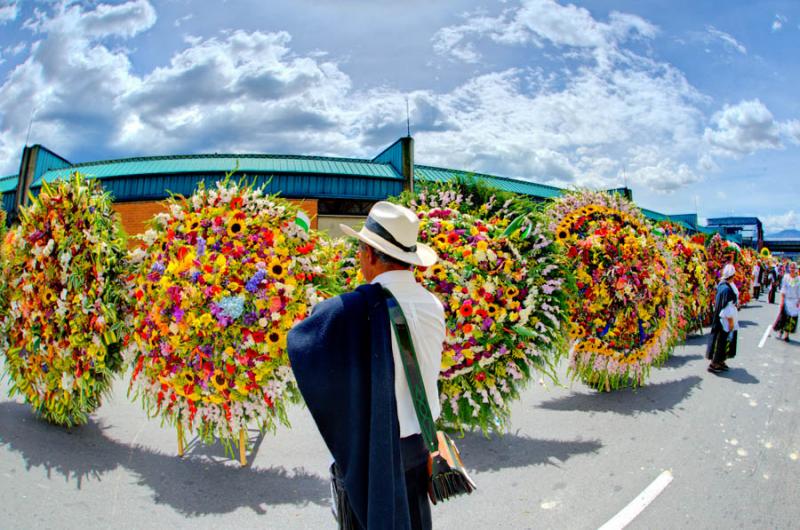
[(625, 310), (505, 311), (66, 300), (3, 273), (220, 279), (720, 252), (695, 285)]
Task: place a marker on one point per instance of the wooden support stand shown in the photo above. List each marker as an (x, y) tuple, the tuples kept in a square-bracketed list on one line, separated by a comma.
[(242, 447), (180, 440)]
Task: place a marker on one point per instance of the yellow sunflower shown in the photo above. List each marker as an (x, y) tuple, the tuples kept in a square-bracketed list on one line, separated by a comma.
[(219, 380), (235, 227), (276, 269)]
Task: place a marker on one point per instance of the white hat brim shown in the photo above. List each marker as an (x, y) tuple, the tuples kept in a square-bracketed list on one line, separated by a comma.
[(424, 256)]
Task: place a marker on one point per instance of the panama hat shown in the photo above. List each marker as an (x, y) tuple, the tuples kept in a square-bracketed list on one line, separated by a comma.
[(728, 271), (393, 229)]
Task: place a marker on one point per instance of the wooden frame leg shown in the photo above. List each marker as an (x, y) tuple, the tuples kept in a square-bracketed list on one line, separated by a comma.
[(180, 440), (242, 447)]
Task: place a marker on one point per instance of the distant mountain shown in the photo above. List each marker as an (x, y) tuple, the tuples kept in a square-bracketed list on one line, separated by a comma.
[(784, 234)]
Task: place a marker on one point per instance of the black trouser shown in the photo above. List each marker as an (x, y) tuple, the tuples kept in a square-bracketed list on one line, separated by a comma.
[(415, 462)]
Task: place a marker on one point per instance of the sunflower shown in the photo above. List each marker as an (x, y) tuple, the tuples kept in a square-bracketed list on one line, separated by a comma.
[(492, 310), (276, 269), (438, 271), (235, 227), (219, 380)]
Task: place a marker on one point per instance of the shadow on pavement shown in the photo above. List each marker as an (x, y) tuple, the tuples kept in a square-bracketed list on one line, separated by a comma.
[(740, 375), (511, 450), (747, 323), (659, 397), (189, 486), (676, 361)]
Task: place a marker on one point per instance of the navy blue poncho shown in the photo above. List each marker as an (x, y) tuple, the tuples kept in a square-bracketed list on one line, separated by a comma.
[(342, 358)]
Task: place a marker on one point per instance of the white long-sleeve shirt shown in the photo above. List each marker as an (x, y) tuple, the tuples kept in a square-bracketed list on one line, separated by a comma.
[(425, 316)]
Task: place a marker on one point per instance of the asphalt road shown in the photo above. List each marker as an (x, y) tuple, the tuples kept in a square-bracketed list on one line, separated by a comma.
[(573, 458)]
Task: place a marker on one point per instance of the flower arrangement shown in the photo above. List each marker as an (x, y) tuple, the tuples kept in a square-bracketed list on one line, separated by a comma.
[(221, 278), (696, 286), (624, 313), (505, 311), (66, 300), (720, 252), (3, 270), (749, 261)]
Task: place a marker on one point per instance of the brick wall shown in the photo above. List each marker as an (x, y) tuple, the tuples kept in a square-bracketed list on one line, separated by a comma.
[(136, 214)]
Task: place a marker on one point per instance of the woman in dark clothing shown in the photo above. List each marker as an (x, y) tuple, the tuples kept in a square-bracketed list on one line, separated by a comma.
[(724, 326), (773, 284), (778, 281)]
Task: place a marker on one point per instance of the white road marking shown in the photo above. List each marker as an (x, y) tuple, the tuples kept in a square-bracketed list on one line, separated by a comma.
[(637, 505), (764, 338)]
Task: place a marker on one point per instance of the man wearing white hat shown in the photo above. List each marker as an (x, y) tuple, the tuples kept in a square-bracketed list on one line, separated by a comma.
[(348, 367), (725, 324)]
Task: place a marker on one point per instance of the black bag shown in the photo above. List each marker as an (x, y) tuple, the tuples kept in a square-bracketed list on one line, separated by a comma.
[(448, 477)]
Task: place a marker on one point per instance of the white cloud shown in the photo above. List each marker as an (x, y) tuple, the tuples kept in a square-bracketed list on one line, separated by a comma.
[(541, 22), (727, 39), (785, 221), (747, 127), (181, 20), (8, 11), (779, 21)]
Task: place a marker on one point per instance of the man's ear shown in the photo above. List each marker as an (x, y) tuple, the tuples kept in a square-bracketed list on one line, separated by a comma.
[(372, 258)]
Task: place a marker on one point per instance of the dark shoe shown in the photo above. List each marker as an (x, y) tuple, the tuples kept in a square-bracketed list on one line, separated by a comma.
[(786, 338), (724, 367), (714, 369)]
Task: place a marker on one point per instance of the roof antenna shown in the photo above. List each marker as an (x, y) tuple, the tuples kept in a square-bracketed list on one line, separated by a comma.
[(30, 123), (408, 120)]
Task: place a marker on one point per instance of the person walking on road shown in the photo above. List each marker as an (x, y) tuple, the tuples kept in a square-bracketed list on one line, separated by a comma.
[(347, 363), (773, 283), (725, 323), (786, 322), (756, 281)]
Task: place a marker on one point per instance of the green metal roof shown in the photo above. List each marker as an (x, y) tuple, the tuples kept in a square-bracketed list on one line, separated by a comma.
[(8, 183), (174, 165), (655, 216), (439, 174)]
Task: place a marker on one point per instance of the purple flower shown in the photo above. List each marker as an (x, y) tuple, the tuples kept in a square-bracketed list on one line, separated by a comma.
[(178, 314), (201, 246), (253, 283)]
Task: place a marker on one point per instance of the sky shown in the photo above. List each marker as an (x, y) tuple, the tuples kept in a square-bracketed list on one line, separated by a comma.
[(691, 103)]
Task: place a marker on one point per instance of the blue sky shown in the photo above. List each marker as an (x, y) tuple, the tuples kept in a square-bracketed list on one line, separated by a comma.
[(689, 102)]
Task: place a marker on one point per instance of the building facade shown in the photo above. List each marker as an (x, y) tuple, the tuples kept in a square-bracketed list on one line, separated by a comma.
[(331, 190)]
